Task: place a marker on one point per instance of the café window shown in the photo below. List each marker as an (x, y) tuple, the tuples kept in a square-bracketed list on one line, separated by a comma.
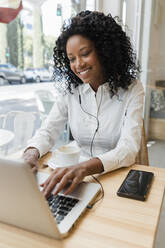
[(26, 69)]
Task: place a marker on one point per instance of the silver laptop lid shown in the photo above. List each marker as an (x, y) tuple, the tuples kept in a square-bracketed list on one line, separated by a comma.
[(22, 204)]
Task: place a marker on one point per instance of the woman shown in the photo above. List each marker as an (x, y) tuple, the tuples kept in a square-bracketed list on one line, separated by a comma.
[(103, 100)]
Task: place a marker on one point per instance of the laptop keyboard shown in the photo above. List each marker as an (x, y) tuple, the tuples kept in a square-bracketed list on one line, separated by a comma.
[(61, 205)]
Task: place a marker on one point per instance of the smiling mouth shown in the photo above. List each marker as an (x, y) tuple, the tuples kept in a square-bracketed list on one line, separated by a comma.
[(84, 71)]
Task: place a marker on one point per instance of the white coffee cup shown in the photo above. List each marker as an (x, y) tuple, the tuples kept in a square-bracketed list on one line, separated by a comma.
[(66, 156)]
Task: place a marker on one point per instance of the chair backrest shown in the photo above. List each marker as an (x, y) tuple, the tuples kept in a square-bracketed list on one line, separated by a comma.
[(45, 101), (22, 124), (142, 157)]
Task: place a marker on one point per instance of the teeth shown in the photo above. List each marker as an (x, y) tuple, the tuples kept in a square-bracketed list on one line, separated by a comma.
[(83, 72)]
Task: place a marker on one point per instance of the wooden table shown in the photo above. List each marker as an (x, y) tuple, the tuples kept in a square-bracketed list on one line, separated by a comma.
[(114, 222)]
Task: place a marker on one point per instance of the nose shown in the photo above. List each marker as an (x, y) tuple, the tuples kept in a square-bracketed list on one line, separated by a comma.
[(79, 63)]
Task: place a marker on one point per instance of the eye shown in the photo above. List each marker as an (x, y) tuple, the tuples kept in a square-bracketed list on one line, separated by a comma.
[(85, 54), (71, 60)]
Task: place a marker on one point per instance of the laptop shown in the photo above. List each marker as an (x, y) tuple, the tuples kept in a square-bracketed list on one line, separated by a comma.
[(23, 204)]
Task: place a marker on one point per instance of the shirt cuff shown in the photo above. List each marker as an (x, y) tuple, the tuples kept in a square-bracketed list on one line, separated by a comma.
[(38, 147), (109, 162)]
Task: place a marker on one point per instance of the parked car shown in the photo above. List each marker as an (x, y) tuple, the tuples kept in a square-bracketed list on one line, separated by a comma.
[(9, 73), (37, 75)]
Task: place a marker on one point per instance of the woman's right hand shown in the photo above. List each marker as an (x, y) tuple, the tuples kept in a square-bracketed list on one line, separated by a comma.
[(31, 155)]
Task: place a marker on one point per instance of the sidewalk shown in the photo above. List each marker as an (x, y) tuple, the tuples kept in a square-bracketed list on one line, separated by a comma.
[(25, 91)]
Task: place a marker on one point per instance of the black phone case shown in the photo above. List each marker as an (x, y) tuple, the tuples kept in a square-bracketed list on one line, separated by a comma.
[(136, 185)]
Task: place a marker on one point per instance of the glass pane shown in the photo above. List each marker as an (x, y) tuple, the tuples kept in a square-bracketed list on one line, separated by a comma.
[(26, 69)]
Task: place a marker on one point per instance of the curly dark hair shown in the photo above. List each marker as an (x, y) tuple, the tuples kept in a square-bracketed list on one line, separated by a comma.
[(112, 45)]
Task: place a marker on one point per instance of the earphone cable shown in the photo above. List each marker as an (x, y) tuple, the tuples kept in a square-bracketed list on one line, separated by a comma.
[(102, 192), (91, 148)]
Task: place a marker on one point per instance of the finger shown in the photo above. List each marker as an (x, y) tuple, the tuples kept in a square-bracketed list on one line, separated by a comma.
[(50, 186), (44, 184), (71, 188), (53, 180), (62, 183)]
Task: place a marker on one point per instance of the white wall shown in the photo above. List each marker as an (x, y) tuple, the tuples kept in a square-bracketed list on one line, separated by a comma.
[(156, 60), (157, 44)]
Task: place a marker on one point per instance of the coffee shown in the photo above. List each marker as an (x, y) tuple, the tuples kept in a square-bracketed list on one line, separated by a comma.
[(68, 149)]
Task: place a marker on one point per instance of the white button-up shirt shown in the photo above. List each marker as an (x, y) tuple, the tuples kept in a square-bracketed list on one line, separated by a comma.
[(118, 121)]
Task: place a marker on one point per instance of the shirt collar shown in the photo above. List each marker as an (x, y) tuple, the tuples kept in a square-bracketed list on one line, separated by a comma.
[(87, 87)]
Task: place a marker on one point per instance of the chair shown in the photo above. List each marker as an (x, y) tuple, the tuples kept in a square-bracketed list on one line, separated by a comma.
[(45, 100), (23, 126), (142, 157)]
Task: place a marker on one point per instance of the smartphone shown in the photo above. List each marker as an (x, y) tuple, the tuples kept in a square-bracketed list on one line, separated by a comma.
[(136, 185)]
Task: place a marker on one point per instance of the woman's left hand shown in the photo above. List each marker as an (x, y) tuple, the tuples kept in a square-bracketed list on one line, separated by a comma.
[(74, 174)]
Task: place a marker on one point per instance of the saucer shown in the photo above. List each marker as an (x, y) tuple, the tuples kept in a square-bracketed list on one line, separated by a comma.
[(52, 164)]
